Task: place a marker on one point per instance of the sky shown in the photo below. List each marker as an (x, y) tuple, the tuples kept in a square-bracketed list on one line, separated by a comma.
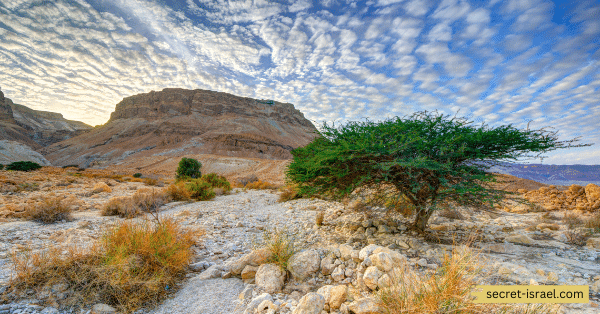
[(514, 62)]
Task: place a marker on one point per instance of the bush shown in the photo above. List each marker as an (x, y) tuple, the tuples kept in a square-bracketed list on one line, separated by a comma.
[(260, 185), (134, 265), (143, 201), (23, 166), (178, 192), (281, 245), (137, 175), (188, 168), (572, 220), (50, 209), (150, 181), (1, 166), (101, 187), (120, 206), (245, 180), (593, 223), (200, 190), (216, 181), (288, 192)]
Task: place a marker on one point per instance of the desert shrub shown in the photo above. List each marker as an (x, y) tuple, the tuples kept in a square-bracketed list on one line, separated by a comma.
[(25, 186), (23, 166), (137, 175), (188, 168), (451, 213), (178, 192), (572, 220), (260, 185), (1, 166), (281, 245), (200, 190), (101, 187), (120, 206), (150, 181), (593, 222), (288, 192), (245, 180), (50, 209), (216, 181), (70, 166), (133, 265), (447, 291), (577, 237)]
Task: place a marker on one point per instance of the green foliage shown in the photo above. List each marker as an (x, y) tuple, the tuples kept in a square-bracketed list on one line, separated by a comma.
[(1, 166), (188, 168), (216, 181), (200, 190), (430, 158), (137, 175), (23, 166)]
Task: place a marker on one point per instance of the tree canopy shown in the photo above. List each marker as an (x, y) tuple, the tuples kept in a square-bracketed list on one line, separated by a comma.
[(428, 157)]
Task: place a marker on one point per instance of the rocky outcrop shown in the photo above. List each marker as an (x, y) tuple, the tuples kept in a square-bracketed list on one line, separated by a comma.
[(176, 122), (11, 151), (575, 197)]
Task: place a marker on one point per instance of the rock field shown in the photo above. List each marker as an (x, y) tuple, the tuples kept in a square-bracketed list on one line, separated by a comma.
[(338, 265)]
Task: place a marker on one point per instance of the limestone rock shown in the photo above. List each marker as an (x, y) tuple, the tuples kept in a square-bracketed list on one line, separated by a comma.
[(250, 309), (303, 264), (312, 303), (270, 277), (383, 261), (367, 250), (519, 239), (337, 296), (325, 292), (254, 258), (249, 272), (101, 308), (593, 243), (365, 306), (371, 277), (338, 273)]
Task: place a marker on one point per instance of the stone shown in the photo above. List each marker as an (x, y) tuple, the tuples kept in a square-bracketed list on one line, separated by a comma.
[(596, 286), (250, 309), (303, 264), (593, 243), (371, 277), (312, 303), (383, 261), (249, 272), (367, 251), (254, 258), (267, 306), (384, 281), (337, 296), (247, 292), (327, 265), (270, 277), (543, 226), (325, 292), (101, 308), (520, 239), (422, 262), (213, 271), (346, 251), (338, 274), (365, 306), (552, 276)]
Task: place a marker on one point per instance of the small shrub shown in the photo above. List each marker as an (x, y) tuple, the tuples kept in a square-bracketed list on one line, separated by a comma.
[(288, 192), (593, 223), (281, 245), (120, 206), (216, 181), (134, 265), (143, 201), (1, 166), (50, 209), (137, 175), (101, 187), (23, 166), (245, 180), (200, 190), (572, 220), (577, 237), (70, 166), (178, 192), (188, 168), (319, 218), (260, 185), (451, 213), (150, 181)]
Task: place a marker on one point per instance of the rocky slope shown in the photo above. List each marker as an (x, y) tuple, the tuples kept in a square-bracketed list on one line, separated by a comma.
[(35, 128), (175, 122)]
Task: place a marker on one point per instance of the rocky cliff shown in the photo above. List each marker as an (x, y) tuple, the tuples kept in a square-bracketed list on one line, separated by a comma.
[(176, 122), (35, 128)]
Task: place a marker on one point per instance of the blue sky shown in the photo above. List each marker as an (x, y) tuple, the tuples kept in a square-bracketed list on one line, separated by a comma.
[(502, 62)]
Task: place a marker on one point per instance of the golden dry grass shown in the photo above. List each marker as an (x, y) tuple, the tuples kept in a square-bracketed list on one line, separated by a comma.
[(593, 222), (572, 220), (260, 185), (144, 200), (179, 192), (447, 291), (101, 187), (281, 245), (134, 265), (288, 192), (49, 209)]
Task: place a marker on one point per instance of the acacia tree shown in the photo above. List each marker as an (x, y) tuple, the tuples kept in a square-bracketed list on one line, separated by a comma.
[(429, 157)]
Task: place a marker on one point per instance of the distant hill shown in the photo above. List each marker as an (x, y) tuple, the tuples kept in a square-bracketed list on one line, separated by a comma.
[(553, 174), (177, 122)]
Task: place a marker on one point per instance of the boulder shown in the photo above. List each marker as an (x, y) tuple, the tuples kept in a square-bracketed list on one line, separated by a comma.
[(520, 239), (270, 277), (367, 250), (303, 264), (371, 277), (312, 303), (250, 309), (365, 306), (337, 296), (249, 272), (254, 258), (383, 261)]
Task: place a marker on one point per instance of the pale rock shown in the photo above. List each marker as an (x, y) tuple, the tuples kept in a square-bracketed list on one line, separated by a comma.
[(270, 277), (397, 257), (325, 292), (254, 258), (338, 295), (367, 250), (249, 272), (552, 276), (345, 251), (595, 286), (364, 306), (540, 272), (101, 308), (327, 265), (312, 303), (422, 262), (213, 271), (519, 239), (250, 309), (267, 306), (338, 274), (304, 264), (384, 281), (247, 292), (383, 261), (593, 243), (371, 277)]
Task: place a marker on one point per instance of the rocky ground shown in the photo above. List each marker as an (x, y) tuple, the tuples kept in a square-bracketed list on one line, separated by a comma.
[(338, 265)]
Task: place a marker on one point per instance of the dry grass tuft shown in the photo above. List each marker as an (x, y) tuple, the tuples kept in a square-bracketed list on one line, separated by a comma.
[(119, 206), (577, 237), (447, 291), (572, 220), (101, 187), (179, 192), (260, 185), (151, 182), (143, 201), (134, 265), (49, 209), (281, 245), (593, 222), (288, 193)]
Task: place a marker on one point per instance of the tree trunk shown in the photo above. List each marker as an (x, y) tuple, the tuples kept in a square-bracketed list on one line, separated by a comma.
[(422, 217)]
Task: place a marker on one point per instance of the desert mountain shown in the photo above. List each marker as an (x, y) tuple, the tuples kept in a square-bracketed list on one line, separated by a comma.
[(35, 128), (177, 122)]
